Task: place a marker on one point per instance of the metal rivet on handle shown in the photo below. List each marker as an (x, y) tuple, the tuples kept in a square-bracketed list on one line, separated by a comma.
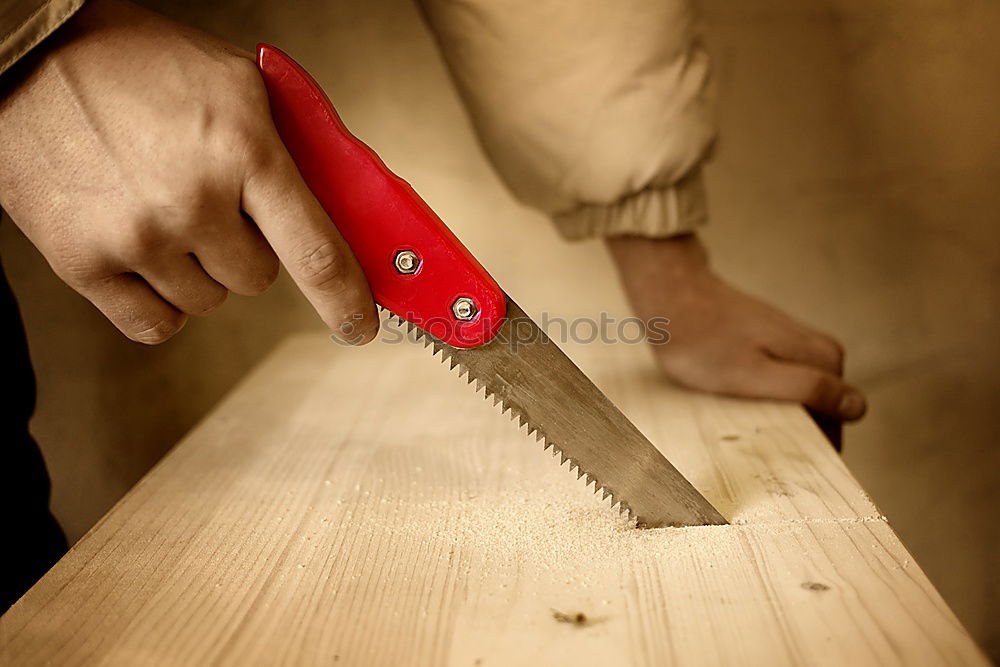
[(464, 308), (407, 262)]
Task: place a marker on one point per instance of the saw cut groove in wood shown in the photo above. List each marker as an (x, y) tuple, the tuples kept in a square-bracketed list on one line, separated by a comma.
[(328, 513)]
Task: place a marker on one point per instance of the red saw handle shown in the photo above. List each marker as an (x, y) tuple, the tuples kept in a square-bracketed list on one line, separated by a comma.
[(415, 265)]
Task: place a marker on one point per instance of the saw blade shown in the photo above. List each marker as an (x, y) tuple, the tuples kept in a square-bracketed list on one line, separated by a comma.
[(529, 377)]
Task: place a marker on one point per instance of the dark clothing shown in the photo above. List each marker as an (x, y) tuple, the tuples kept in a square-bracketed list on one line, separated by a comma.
[(33, 540)]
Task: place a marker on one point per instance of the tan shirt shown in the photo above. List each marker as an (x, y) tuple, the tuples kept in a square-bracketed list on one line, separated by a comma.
[(596, 112), (25, 23)]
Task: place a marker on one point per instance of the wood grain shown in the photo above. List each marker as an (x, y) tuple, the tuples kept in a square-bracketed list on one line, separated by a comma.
[(364, 507)]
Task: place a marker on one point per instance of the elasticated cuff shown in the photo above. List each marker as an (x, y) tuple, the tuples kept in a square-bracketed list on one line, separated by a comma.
[(653, 212), (26, 24)]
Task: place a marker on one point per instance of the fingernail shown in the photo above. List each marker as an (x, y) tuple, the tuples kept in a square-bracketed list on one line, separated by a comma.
[(852, 405)]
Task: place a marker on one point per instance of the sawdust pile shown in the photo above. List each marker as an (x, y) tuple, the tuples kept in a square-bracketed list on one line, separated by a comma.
[(559, 529)]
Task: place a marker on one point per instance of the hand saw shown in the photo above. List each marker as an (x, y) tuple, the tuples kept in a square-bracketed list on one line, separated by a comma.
[(422, 274)]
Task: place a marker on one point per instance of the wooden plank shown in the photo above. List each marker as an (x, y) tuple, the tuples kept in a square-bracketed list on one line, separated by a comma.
[(364, 507)]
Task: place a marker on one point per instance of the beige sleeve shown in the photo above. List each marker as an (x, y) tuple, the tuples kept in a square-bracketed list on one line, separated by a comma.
[(25, 23), (597, 112)]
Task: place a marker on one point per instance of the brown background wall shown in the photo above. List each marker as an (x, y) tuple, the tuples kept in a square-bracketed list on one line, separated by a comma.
[(855, 186)]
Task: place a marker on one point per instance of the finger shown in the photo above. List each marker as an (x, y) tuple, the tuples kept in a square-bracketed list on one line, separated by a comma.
[(818, 390), (239, 257), (800, 345), (309, 245), (134, 308), (181, 281)]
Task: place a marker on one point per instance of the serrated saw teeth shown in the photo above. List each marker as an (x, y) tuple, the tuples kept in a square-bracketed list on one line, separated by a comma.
[(509, 410), (666, 509)]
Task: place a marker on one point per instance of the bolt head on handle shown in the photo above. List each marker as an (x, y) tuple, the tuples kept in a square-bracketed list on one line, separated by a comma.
[(407, 262), (464, 308)]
